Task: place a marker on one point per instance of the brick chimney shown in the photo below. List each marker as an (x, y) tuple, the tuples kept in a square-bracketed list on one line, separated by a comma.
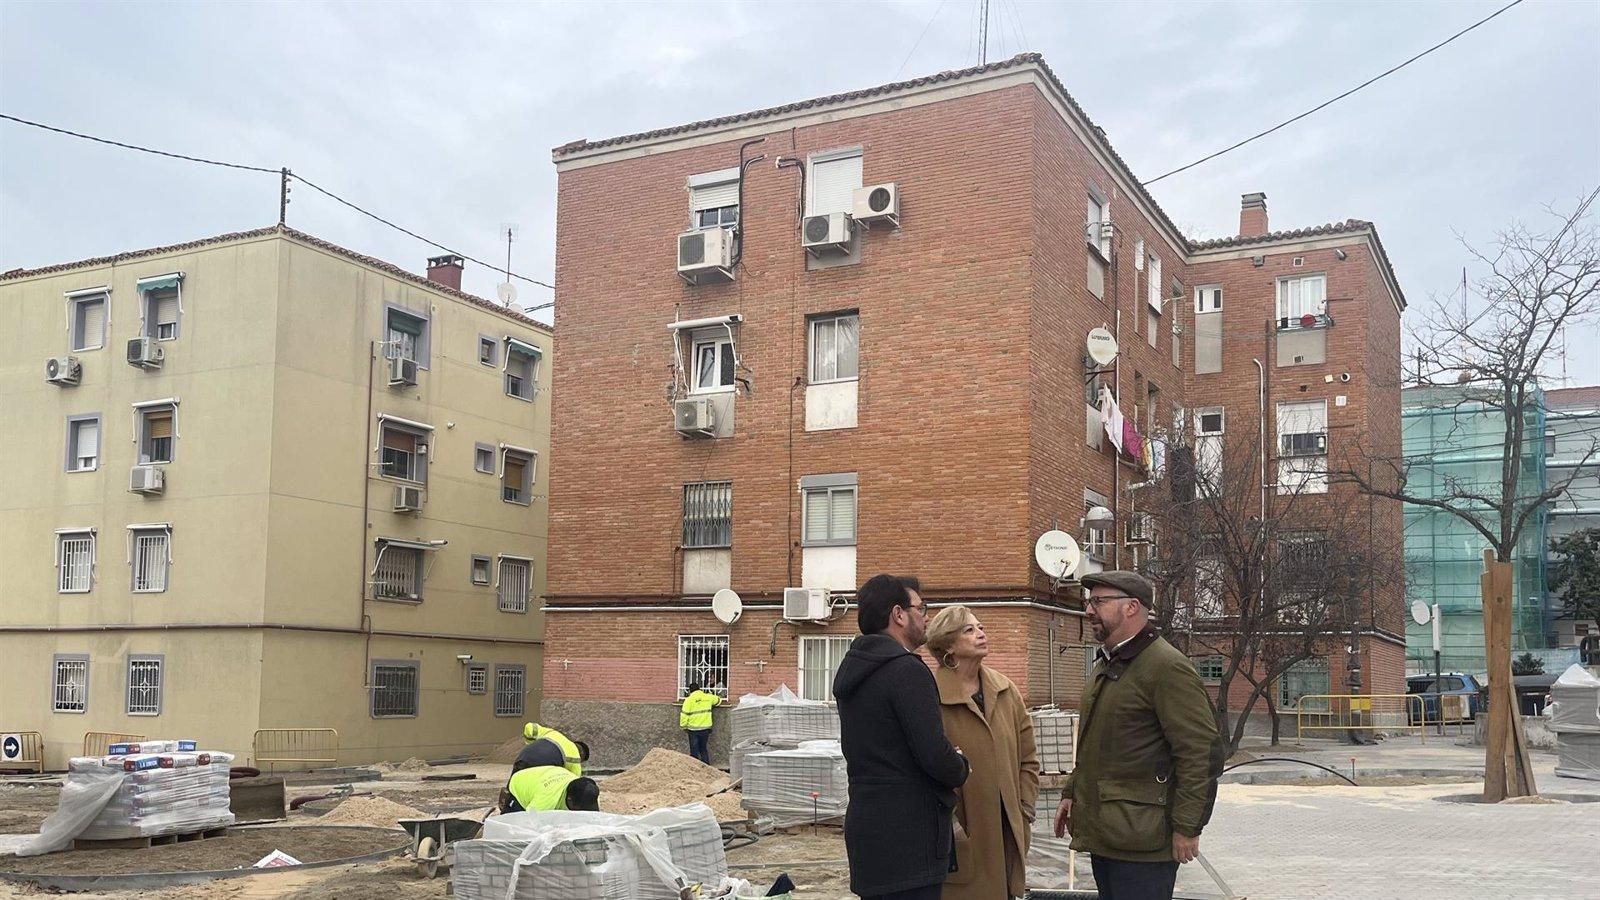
[(1252, 216), (446, 270)]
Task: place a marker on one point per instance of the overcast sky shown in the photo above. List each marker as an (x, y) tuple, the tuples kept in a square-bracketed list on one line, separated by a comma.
[(441, 116)]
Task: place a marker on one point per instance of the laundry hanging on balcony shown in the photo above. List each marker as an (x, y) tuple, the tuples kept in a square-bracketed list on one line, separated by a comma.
[(1111, 418)]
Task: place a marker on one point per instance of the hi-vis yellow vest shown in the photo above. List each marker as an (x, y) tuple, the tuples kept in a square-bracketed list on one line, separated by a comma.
[(696, 714), (533, 731), (541, 788)]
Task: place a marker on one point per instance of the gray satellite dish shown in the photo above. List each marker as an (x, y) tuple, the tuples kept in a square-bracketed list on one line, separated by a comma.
[(507, 293), (1057, 554), (1420, 613), (726, 606)]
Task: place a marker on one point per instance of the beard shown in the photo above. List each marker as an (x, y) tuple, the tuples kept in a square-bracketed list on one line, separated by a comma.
[(1100, 630)]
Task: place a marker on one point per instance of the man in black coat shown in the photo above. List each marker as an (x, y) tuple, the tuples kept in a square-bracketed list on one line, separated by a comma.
[(903, 771)]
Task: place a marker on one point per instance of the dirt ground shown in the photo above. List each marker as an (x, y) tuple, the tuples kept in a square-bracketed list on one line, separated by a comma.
[(239, 847)]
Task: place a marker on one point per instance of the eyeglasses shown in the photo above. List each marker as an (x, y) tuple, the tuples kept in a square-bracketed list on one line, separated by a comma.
[(918, 607), (1096, 601)]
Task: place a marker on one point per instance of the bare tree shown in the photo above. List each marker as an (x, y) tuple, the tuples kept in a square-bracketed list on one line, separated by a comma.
[(1495, 359), (1263, 579)]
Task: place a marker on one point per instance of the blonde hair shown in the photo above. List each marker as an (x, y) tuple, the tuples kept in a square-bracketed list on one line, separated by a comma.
[(946, 626)]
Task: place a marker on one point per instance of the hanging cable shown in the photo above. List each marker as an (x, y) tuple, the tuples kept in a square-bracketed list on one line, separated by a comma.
[(1329, 103), (100, 140)]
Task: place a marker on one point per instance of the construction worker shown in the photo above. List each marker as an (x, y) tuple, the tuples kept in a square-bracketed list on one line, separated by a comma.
[(695, 718), (555, 748), (544, 788)]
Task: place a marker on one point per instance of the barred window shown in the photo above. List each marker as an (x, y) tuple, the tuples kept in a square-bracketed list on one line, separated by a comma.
[(398, 573), (477, 679), (1210, 668), (144, 685), (819, 662), (152, 558), (515, 575), (510, 685), (75, 562), (708, 514), (703, 660), (394, 689), (71, 684)]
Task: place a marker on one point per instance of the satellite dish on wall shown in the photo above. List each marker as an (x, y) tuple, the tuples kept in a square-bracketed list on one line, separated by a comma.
[(507, 293), (1420, 613), (1101, 346), (1057, 554), (726, 606)]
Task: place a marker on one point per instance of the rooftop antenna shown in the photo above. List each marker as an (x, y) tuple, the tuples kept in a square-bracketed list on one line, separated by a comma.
[(983, 36), (507, 292)]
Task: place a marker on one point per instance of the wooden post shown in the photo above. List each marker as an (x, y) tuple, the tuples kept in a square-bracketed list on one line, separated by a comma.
[(1507, 770)]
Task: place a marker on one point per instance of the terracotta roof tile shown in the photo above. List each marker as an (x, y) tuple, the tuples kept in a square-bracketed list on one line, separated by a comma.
[(1289, 235), (299, 236)]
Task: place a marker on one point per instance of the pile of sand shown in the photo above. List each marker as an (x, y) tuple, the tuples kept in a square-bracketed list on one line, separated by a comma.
[(376, 811), (506, 752), (665, 778), (411, 765)]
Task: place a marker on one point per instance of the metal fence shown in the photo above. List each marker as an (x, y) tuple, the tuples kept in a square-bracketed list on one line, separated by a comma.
[(98, 743), (23, 750), (297, 747), (1359, 712)]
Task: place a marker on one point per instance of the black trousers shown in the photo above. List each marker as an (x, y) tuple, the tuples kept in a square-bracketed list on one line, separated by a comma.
[(699, 745), (931, 892), (1119, 879)]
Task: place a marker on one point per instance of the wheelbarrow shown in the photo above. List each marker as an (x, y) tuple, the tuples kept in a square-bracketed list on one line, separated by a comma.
[(431, 840)]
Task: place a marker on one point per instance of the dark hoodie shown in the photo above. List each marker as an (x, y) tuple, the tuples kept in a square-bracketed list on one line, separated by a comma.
[(903, 771)]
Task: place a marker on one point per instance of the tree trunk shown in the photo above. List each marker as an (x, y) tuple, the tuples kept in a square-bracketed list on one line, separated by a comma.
[(1507, 771), (1272, 713)]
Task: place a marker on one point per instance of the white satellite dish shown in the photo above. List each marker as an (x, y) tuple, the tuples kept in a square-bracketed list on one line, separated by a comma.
[(1420, 613), (1102, 347), (507, 293), (1057, 554), (726, 606)]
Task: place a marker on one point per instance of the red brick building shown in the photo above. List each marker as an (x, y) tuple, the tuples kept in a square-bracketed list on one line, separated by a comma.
[(905, 394)]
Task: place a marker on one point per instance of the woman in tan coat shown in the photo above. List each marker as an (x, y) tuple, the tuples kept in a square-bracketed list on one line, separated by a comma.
[(985, 718)]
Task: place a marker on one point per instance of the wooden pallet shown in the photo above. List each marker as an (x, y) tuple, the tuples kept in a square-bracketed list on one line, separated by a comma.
[(141, 843)]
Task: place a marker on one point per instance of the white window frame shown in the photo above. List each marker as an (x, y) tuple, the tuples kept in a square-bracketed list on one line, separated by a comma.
[(1209, 445), (1210, 589), (420, 343), (75, 457), (65, 580), (157, 690), (77, 299), (1213, 661), (833, 649), (1097, 542), (689, 645), (1153, 284), (533, 357), (1097, 212), (140, 559), (1305, 473), (823, 159), (514, 604), (64, 691), (816, 371), (141, 414), (1293, 308), (530, 474), (477, 679), (830, 485), (422, 438), (373, 688), (721, 344), (708, 192), (510, 684), (1208, 295)]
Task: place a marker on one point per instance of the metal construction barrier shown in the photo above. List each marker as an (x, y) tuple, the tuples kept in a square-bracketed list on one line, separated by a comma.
[(1360, 712), (27, 752), (98, 743), (296, 747)]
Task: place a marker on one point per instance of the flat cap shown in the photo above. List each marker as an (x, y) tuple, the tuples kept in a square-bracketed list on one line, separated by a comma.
[(1131, 583)]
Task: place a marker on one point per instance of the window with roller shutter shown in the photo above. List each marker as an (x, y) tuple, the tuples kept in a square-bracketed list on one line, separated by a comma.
[(155, 434), (832, 180), (160, 305), (714, 199), (516, 480), (828, 511), (88, 322), (83, 443)]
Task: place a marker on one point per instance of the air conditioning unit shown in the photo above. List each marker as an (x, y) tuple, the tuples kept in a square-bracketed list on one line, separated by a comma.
[(706, 255), (877, 203), (1308, 444), (805, 604), (63, 370), (144, 353), (407, 499), (402, 372), (694, 417), (831, 231), (147, 480), (1094, 233)]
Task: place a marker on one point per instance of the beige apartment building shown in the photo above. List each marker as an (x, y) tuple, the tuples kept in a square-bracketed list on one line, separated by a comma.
[(259, 481)]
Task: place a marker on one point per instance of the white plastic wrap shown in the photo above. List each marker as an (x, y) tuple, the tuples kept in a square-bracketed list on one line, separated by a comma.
[(82, 800), (1055, 732), (1578, 755), (738, 753), (779, 784), (570, 855), (1576, 698), (781, 718), (694, 839), (169, 791)]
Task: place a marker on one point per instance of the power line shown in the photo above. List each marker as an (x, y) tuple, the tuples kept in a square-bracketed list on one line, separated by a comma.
[(282, 173), (1328, 103), (432, 243), (918, 43), (100, 140)]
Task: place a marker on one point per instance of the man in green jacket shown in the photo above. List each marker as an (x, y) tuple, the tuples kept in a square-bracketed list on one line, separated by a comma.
[(1148, 758), (695, 718)]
